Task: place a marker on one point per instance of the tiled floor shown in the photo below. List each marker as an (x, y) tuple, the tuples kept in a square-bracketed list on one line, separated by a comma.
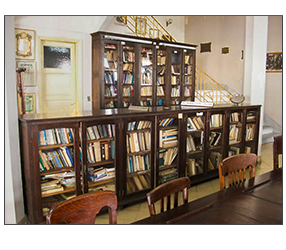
[(139, 211)]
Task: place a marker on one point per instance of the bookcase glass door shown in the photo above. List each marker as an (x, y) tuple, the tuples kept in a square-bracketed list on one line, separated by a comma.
[(215, 141), (110, 75), (167, 149), (176, 77), (128, 76), (146, 76), (195, 144), (138, 157), (57, 166), (250, 131), (235, 131), (161, 79), (100, 171), (188, 85)]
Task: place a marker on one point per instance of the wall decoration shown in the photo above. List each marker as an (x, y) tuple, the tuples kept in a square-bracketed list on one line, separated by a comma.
[(30, 103), (29, 76), (206, 47), (274, 62), (24, 44)]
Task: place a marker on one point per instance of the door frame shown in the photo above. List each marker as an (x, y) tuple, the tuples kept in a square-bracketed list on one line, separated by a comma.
[(78, 67)]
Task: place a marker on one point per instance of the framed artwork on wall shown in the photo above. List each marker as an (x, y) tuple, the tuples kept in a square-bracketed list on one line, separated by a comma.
[(274, 62), (30, 103), (24, 44), (29, 76)]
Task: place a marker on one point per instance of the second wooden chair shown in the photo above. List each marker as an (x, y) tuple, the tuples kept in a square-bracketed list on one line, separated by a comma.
[(83, 209), (165, 190), (235, 166)]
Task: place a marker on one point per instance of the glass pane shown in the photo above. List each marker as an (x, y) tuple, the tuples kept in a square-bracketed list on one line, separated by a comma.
[(57, 57)]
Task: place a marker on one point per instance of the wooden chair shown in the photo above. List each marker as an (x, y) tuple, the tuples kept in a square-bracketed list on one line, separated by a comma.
[(83, 209), (165, 190), (277, 150), (235, 166)]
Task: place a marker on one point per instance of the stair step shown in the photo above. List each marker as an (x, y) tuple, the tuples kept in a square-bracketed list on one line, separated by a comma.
[(267, 130), (266, 138)]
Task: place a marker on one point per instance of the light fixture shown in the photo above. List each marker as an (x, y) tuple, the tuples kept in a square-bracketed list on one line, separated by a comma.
[(169, 21), (177, 46)]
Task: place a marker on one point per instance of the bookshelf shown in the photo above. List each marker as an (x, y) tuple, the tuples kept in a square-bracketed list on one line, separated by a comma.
[(235, 131), (139, 156), (140, 71)]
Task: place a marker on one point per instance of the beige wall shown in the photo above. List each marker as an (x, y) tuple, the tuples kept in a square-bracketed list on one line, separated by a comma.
[(228, 68)]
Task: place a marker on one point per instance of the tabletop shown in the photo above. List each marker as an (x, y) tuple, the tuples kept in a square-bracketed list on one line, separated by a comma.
[(255, 201)]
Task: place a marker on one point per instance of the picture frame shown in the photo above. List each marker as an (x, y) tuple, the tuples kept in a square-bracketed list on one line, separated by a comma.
[(30, 103), (274, 62), (24, 44), (29, 76)]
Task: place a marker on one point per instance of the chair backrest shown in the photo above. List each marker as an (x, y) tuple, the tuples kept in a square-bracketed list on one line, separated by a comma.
[(235, 166), (165, 190), (83, 209), (277, 150)]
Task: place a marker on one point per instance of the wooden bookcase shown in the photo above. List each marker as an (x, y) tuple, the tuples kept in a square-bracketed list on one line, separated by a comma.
[(135, 142), (127, 70)]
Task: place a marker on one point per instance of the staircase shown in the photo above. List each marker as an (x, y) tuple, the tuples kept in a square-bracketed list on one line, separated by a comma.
[(206, 88)]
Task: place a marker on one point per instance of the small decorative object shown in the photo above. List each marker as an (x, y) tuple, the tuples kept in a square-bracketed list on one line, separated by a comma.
[(30, 102), (225, 50), (24, 44), (237, 98), (274, 62), (29, 76)]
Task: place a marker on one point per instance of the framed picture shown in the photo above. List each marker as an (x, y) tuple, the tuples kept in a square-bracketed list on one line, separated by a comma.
[(24, 44), (30, 103), (29, 76), (274, 62)]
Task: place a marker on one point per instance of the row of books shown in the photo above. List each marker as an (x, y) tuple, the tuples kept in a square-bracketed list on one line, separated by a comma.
[(194, 166), (166, 122), (216, 121), (138, 182), (234, 133), (235, 117), (100, 131), (146, 91), (214, 160), (215, 138), (160, 91), (128, 56), (175, 80), (137, 125), (195, 123), (137, 142), (161, 59), (128, 78), (55, 136), (191, 144), (128, 67), (161, 70), (110, 65), (111, 104), (110, 55), (188, 70), (188, 80), (57, 158), (250, 115), (160, 80), (128, 91), (138, 163), (111, 91), (57, 182), (168, 175), (110, 77), (250, 132), (233, 151), (126, 104), (175, 69), (175, 91), (160, 102), (100, 173), (188, 59), (100, 151), (147, 102), (167, 156), (168, 138)]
